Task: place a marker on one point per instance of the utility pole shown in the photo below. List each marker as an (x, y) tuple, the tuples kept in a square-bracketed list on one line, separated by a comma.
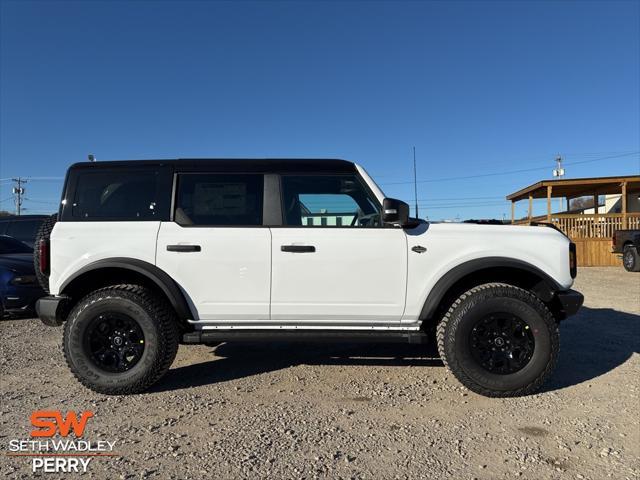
[(18, 191), (559, 172), (415, 181)]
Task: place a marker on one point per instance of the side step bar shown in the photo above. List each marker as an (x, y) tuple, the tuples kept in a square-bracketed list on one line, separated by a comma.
[(241, 335)]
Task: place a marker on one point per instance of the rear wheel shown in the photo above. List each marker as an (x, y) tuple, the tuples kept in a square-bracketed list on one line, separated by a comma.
[(499, 340), (120, 339), (630, 259)]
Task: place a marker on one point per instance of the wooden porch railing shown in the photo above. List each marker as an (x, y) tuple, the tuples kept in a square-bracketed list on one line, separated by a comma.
[(588, 225)]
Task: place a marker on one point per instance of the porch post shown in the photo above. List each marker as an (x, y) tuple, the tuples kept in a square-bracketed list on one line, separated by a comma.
[(513, 212), (530, 207), (595, 203), (549, 187), (624, 205)]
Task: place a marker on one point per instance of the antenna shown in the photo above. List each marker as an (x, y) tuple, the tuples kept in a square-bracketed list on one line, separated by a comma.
[(415, 181)]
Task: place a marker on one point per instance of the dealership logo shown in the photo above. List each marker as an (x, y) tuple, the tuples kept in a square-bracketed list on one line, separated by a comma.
[(57, 443), (51, 421)]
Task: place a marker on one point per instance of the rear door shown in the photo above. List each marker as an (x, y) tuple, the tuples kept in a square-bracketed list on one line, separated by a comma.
[(334, 263), (216, 247)]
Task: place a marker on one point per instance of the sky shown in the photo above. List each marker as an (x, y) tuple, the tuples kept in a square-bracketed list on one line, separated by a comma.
[(489, 93)]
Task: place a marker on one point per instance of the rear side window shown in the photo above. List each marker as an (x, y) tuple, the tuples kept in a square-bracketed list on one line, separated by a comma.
[(120, 195), (219, 199), (24, 230)]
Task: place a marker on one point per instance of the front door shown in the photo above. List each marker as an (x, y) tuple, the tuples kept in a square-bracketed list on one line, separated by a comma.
[(333, 262), (216, 248)]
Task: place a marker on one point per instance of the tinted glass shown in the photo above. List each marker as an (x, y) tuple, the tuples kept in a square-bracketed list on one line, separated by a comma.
[(219, 199), (11, 245), (113, 195), (24, 230), (328, 201)]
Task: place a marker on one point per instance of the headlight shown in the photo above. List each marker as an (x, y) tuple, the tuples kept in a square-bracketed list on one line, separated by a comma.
[(24, 280)]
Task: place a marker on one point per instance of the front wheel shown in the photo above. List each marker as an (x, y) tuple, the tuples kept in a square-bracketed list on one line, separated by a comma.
[(120, 339), (499, 340)]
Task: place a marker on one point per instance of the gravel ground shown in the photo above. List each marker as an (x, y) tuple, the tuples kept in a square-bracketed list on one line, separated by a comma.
[(350, 411)]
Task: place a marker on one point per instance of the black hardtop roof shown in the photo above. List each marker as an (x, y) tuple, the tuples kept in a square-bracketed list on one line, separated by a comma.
[(235, 165)]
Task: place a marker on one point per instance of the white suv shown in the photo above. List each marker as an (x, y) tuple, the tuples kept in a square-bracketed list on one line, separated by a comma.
[(147, 254)]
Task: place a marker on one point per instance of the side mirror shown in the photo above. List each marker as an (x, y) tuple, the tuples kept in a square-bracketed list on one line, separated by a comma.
[(395, 212)]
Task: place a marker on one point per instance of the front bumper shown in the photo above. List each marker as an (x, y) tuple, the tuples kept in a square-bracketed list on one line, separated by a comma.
[(570, 302), (52, 310)]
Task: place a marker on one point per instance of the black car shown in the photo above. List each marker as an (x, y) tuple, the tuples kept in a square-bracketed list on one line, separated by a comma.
[(19, 287), (22, 227)]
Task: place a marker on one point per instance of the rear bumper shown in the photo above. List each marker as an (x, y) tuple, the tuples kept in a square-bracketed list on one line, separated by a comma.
[(570, 302), (20, 300), (51, 310)]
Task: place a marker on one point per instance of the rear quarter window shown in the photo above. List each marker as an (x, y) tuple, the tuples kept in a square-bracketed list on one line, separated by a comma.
[(119, 195)]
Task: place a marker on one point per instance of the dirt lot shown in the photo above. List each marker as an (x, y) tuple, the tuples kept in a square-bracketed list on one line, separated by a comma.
[(350, 411)]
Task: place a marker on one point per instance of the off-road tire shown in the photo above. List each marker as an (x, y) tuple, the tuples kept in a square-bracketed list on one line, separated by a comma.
[(454, 345), (157, 321), (631, 259), (44, 232)]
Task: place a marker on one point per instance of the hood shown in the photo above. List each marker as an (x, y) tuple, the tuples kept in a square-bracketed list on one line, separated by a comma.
[(19, 262)]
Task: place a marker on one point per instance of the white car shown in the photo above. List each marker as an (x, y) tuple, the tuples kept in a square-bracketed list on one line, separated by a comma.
[(145, 255)]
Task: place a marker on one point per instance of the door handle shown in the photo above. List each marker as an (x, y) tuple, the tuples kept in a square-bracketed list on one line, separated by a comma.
[(298, 248), (183, 248)]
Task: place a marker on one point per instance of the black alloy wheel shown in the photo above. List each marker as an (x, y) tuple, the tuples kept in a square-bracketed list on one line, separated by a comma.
[(502, 343), (120, 339), (115, 342), (499, 340)]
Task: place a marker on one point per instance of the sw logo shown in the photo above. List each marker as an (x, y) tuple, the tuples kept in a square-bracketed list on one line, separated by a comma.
[(50, 422), (47, 424)]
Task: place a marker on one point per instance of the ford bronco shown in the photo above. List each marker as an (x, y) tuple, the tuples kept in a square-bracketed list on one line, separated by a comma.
[(145, 255)]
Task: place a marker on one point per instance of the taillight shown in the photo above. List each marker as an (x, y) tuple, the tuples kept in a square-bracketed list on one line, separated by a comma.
[(43, 252), (573, 260)]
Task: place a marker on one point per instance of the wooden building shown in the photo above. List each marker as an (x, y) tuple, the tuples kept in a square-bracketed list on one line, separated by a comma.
[(590, 228)]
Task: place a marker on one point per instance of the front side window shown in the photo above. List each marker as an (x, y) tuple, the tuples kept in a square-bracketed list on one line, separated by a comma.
[(219, 199), (328, 201), (118, 195)]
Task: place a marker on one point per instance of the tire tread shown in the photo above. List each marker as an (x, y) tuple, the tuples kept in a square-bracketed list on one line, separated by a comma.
[(443, 331), (158, 309)]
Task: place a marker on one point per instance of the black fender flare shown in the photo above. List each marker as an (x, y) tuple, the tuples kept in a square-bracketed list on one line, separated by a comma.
[(156, 275), (545, 289)]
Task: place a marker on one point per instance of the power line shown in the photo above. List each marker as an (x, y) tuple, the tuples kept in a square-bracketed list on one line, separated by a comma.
[(40, 201), (509, 172), (46, 179)]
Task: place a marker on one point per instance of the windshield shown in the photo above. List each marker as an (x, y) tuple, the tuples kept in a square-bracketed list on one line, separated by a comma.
[(11, 245)]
